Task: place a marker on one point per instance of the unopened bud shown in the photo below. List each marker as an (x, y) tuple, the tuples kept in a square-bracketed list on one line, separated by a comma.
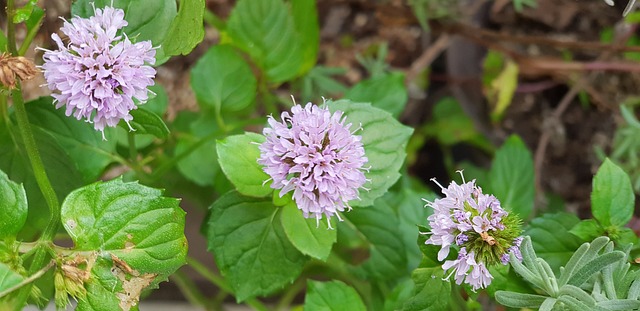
[(61, 297)]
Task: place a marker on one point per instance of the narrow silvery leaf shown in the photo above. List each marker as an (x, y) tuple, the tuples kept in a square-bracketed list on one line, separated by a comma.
[(576, 305), (620, 304), (572, 265), (634, 290), (548, 276), (584, 254), (594, 266), (577, 293), (519, 300), (526, 274), (548, 304)]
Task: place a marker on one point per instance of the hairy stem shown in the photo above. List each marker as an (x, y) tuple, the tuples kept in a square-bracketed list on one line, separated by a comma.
[(28, 280), (190, 291)]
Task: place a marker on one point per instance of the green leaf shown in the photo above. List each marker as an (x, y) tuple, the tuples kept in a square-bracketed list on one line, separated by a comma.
[(619, 304), (334, 295), (133, 222), (391, 228), (148, 20), (61, 170), (511, 177), (594, 266), (22, 14), (551, 238), (519, 300), (267, 32), (131, 235), (400, 293), (13, 207), (238, 156), (82, 143), (201, 165), (187, 29), (381, 228), (502, 88), (451, 125), (250, 246), (384, 139), (35, 19), (147, 122), (431, 293), (308, 236), (305, 18), (386, 92), (612, 198), (587, 230), (8, 277), (111, 287), (222, 80)]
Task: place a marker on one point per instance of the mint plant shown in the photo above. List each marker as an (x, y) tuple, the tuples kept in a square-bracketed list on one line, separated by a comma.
[(311, 205)]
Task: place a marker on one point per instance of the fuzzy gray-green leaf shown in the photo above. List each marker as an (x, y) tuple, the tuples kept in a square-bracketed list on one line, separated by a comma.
[(519, 300)]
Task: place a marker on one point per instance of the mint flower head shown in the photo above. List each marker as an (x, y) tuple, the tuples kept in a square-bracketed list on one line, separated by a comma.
[(313, 153), (474, 223), (98, 73)]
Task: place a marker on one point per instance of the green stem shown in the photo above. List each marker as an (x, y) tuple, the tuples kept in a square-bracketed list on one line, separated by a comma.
[(134, 164), (28, 280), (190, 291), (221, 283), (290, 294), (209, 275), (11, 28), (36, 163)]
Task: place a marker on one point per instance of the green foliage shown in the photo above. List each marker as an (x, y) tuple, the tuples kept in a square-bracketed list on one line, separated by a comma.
[(385, 92), (266, 30), (186, 29), (612, 199), (251, 248), (425, 10), (311, 237), (83, 145), (511, 177), (24, 13), (384, 140), (223, 81), (593, 263), (60, 168), (238, 156), (13, 207), (390, 228), (329, 296), (431, 291), (147, 122), (133, 222), (551, 238), (148, 20)]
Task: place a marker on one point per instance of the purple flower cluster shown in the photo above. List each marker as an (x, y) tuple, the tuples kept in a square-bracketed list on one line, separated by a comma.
[(314, 154), (98, 73), (478, 226)]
